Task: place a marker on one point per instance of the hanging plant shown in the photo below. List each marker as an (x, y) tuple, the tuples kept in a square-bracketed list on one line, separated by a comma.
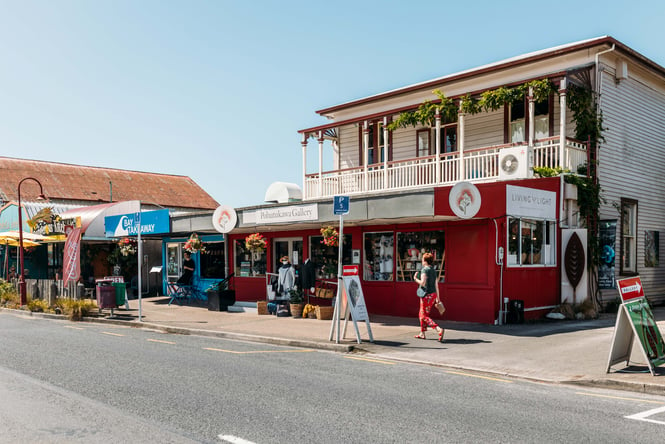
[(127, 246), (255, 243), (194, 244), (330, 236)]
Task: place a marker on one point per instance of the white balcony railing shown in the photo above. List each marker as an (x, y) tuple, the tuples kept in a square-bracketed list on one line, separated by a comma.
[(477, 165)]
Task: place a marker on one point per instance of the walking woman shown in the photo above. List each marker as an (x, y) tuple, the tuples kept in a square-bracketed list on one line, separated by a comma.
[(428, 281)]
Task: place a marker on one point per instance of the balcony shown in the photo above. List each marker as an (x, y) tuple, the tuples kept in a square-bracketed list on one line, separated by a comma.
[(474, 165)]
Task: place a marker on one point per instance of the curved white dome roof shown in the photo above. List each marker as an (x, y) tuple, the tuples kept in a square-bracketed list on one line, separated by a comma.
[(283, 192)]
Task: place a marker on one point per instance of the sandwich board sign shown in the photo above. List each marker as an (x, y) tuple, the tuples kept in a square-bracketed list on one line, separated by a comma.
[(352, 303), (635, 319)]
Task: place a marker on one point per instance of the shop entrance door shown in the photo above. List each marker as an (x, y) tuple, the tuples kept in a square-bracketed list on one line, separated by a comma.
[(173, 261), (291, 247)]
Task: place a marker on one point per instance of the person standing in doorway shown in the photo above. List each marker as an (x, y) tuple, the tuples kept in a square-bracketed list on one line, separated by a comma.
[(187, 270), (427, 279)]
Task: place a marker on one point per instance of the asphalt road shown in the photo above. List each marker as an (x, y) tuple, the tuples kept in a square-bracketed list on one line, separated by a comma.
[(77, 382)]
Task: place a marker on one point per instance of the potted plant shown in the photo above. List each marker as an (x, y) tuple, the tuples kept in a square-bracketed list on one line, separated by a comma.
[(296, 302)]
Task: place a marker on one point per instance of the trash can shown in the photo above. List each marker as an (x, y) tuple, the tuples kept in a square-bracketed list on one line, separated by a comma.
[(120, 289), (105, 294), (516, 311)]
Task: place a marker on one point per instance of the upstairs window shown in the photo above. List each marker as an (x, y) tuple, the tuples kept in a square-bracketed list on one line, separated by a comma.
[(423, 143), (376, 147), (517, 122)]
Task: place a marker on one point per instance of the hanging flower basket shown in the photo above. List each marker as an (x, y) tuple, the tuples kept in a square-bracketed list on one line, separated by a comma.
[(255, 243), (127, 246), (330, 236), (194, 244)]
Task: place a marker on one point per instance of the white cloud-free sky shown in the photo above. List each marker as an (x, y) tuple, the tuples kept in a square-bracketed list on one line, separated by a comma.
[(217, 90)]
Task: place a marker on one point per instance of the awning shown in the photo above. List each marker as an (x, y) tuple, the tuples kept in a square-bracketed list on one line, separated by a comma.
[(92, 218)]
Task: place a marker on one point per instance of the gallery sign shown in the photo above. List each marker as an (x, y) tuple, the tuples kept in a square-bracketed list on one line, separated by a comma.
[(530, 202), (152, 222), (276, 215)]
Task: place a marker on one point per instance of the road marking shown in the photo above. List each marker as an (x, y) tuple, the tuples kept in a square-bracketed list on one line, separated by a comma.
[(479, 376), (370, 360), (111, 334), (234, 439), (619, 397), (643, 415), (256, 351), (161, 342), (75, 328)]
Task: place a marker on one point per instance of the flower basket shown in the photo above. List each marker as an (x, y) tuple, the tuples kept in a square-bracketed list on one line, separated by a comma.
[(255, 243), (194, 244), (127, 246), (330, 236), (324, 313)]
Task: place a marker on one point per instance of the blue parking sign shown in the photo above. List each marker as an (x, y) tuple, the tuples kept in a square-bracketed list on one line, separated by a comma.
[(340, 205)]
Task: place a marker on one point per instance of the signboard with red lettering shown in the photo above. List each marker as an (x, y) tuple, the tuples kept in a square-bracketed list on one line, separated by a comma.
[(630, 288), (635, 320)]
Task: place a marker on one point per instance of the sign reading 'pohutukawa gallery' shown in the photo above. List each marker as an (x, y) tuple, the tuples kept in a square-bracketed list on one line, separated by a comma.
[(293, 213)]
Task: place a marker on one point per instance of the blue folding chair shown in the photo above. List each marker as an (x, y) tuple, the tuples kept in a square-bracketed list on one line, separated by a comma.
[(179, 292)]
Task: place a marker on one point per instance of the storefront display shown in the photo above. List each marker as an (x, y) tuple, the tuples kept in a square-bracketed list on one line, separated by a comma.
[(213, 261), (410, 249), (325, 257), (379, 263), (248, 263)]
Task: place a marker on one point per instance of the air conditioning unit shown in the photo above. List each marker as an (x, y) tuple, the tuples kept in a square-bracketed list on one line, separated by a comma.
[(515, 163)]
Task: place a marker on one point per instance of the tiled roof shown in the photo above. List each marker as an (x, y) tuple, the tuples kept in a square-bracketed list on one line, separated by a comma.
[(93, 184)]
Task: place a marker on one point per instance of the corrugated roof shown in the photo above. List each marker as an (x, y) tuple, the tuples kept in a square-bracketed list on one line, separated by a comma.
[(93, 184)]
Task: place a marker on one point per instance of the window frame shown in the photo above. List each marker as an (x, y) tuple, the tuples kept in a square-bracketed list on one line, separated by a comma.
[(630, 205), (427, 132), (547, 247)]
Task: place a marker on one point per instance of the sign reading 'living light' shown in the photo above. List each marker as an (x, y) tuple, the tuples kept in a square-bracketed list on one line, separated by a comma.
[(152, 222), (530, 202)]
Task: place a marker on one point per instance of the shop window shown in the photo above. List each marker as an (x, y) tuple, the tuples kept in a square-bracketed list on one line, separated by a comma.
[(628, 236), (325, 257), (531, 242), (410, 248), (213, 261), (379, 256), (248, 263)]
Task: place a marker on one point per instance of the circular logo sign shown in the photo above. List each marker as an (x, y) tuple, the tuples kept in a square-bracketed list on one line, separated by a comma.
[(224, 219), (464, 200)]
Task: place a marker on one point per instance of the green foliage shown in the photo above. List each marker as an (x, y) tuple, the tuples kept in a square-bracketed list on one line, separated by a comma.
[(76, 309), (549, 172), (8, 295), (296, 296), (38, 305), (588, 119)]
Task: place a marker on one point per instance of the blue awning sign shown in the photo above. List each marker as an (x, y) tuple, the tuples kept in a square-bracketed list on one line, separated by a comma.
[(152, 222)]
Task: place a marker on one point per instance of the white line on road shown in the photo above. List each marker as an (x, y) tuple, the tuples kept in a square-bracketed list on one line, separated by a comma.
[(111, 334), (75, 328), (619, 397), (161, 342), (479, 376), (643, 416), (234, 439)]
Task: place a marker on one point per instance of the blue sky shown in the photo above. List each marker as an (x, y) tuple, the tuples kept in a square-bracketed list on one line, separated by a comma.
[(217, 90)]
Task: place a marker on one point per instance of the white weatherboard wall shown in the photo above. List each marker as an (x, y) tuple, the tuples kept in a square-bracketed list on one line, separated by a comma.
[(632, 161)]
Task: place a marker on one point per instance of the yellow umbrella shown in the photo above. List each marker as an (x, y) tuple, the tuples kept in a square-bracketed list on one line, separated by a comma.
[(26, 236), (11, 242)]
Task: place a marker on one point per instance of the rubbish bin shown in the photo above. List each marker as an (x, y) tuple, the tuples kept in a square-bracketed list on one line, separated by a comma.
[(516, 311), (219, 300), (105, 294), (120, 289)]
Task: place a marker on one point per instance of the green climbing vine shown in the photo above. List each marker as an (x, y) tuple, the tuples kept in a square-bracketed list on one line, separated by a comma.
[(490, 100)]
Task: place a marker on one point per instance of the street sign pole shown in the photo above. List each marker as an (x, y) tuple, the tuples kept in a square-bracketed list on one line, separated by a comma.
[(139, 252), (340, 207)]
